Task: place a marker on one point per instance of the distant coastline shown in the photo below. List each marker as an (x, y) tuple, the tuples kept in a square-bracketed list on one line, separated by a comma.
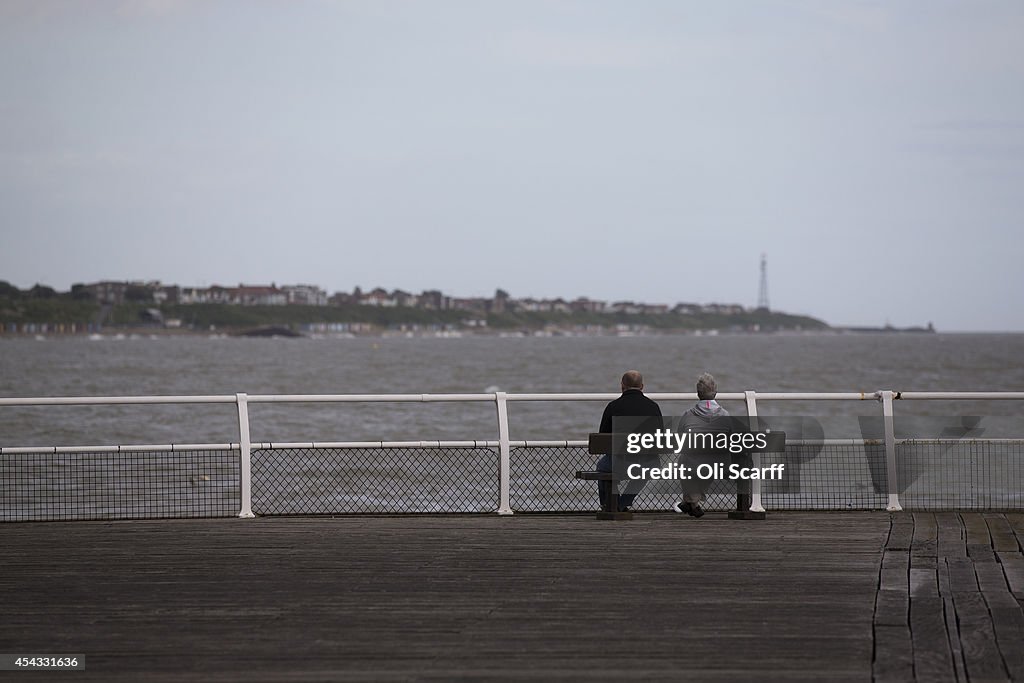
[(306, 310), (356, 320), (340, 330), (134, 308)]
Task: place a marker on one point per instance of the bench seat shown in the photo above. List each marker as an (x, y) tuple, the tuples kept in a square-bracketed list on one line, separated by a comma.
[(594, 475)]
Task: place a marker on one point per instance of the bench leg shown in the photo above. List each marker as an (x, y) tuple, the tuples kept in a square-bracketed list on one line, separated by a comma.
[(612, 511), (742, 510)]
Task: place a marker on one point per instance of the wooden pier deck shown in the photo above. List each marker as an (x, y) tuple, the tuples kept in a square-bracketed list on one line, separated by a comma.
[(848, 596)]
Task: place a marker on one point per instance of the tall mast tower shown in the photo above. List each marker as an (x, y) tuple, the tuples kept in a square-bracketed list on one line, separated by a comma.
[(762, 296)]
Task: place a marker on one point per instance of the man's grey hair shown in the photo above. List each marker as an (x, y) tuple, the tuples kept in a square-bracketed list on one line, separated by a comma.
[(707, 387)]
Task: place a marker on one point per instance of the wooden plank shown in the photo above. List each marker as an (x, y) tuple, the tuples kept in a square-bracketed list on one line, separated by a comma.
[(894, 654), (977, 638), (895, 572), (992, 583), (951, 538), (923, 562), (979, 543), (1013, 569), (954, 639), (901, 533), (999, 529), (892, 608), (1008, 623), (925, 533), (1016, 522), (923, 582), (932, 657), (962, 578), (981, 554)]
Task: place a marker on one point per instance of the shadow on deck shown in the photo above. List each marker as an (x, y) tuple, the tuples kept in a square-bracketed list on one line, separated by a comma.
[(800, 596)]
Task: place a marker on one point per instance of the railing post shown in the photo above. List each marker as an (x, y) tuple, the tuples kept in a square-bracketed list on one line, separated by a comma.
[(504, 453), (755, 501), (748, 492), (245, 454), (890, 453)]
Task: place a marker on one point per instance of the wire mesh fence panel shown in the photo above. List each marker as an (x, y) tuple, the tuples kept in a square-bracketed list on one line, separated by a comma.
[(970, 474), (832, 477), (544, 480), (295, 481), (118, 485), (827, 477)]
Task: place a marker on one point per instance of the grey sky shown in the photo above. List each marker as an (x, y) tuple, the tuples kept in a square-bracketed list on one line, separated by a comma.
[(618, 150)]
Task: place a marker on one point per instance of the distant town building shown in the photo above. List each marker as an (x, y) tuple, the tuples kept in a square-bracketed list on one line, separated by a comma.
[(433, 299), (305, 295), (477, 304), (584, 305), (624, 307), (403, 298), (259, 295), (117, 293), (378, 297), (499, 304), (686, 309), (170, 294)]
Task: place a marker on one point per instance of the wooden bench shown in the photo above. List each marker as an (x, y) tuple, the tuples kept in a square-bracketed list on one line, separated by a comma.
[(601, 444)]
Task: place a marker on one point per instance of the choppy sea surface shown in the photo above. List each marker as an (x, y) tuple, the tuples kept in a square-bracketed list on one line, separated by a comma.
[(194, 365)]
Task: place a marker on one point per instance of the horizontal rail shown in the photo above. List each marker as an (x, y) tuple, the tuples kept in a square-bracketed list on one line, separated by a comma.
[(817, 396), (962, 442), (691, 396), (132, 448), (569, 443), (417, 444), (489, 397), (276, 445), (957, 395), (424, 444), (835, 442), (112, 400), (662, 396), (171, 448), (369, 398)]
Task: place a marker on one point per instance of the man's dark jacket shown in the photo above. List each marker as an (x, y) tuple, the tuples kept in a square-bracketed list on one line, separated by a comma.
[(632, 403)]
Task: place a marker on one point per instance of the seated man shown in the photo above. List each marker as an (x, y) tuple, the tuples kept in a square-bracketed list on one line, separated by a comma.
[(632, 403), (705, 417)]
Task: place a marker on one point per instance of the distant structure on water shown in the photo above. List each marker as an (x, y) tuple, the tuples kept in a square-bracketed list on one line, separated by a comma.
[(762, 295)]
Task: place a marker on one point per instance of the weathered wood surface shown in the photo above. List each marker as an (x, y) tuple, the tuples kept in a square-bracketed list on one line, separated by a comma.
[(800, 596), (964, 619)]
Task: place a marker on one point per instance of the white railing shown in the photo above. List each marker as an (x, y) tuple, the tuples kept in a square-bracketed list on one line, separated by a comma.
[(504, 443)]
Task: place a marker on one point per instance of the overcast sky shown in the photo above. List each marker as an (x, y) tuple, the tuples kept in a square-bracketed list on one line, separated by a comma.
[(618, 150)]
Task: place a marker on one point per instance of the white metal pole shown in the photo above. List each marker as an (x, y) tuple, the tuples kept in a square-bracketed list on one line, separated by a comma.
[(504, 451), (890, 453), (245, 454), (755, 490)]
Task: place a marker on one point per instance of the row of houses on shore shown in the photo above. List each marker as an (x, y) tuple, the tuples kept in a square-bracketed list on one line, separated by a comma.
[(116, 293)]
